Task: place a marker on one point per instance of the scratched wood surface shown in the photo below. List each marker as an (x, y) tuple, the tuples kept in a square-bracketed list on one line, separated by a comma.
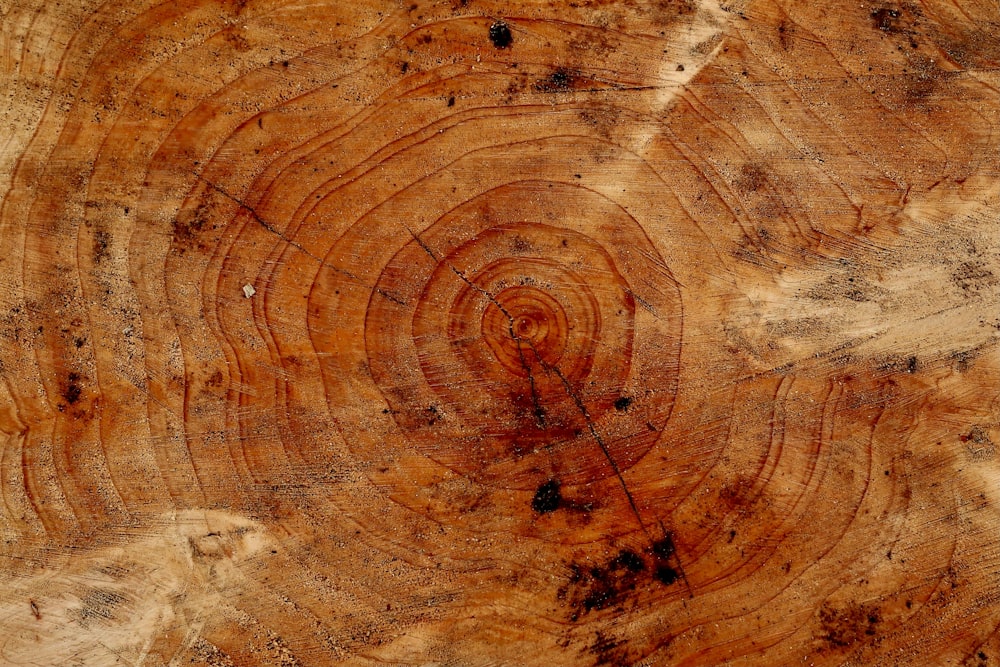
[(481, 332)]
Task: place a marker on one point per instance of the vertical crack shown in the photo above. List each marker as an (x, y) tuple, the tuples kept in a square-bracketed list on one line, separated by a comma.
[(536, 404), (550, 368)]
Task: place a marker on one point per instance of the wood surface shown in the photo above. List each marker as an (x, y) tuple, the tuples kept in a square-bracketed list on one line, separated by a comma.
[(482, 332)]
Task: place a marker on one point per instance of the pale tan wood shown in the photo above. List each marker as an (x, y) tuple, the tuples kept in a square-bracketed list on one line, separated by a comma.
[(496, 333)]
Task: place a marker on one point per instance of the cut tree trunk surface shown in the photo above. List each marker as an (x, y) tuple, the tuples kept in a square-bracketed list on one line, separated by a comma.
[(474, 332)]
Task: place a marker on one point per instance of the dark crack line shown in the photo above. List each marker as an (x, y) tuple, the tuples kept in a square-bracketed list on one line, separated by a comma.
[(298, 246), (600, 441), (566, 385), (261, 221), (535, 401), (536, 404)]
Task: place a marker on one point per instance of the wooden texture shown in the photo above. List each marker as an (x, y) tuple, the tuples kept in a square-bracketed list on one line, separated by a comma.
[(472, 332)]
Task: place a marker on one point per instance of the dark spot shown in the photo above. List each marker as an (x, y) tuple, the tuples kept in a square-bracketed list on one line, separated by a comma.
[(72, 391), (664, 548), (898, 364), (623, 577), (608, 585), (560, 80), (628, 560), (190, 223), (435, 415), (500, 35), (520, 245), (964, 359), (978, 443), (79, 342), (785, 36), (972, 277), (404, 66), (101, 241), (981, 655), (752, 178), (548, 497), (539, 413), (451, 101), (885, 19), (666, 575), (600, 598), (215, 380), (680, 68), (848, 626), (621, 405), (609, 651), (34, 610)]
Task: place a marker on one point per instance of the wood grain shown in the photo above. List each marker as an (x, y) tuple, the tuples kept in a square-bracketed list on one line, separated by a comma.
[(477, 332)]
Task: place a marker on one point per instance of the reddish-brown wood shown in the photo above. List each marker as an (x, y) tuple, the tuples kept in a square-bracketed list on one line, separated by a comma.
[(499, 333)]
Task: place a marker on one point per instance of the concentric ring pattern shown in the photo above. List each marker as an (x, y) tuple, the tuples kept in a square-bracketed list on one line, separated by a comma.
[(461, 333)]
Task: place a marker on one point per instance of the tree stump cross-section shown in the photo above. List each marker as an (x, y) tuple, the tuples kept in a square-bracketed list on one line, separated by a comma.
[(479, 332)]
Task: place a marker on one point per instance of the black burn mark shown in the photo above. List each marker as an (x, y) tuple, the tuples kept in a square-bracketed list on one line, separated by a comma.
[(622, 403), (548, 497), (500, 35)]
